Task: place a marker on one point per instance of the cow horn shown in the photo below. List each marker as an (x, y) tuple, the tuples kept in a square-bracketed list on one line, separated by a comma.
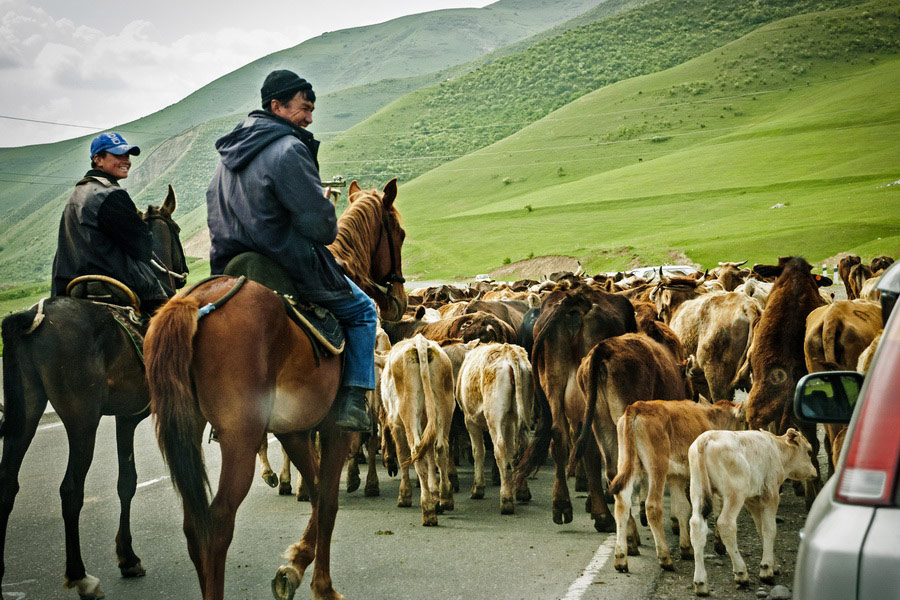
[(740, 264)]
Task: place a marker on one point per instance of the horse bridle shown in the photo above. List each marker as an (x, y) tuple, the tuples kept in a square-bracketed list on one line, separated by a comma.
[(393, 276), (176, 280)]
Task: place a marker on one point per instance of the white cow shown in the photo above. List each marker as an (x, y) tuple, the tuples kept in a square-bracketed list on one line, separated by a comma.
[(744, 468), (417, 391), (496, 394)]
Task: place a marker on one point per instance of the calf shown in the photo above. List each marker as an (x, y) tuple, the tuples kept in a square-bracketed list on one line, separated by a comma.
[(654, 437), (417, 391), (495, 392), (744, 468)]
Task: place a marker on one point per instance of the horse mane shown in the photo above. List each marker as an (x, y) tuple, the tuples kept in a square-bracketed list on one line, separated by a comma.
[(358, 232)]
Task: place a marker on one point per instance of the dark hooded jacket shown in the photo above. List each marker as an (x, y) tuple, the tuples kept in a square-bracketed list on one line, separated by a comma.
[(101, 233), (266, 197)]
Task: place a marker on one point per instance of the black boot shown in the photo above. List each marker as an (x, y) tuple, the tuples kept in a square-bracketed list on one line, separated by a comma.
[(351, 409)]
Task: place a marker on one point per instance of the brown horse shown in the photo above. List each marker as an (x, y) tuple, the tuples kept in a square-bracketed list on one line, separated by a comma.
[(247, 369), (74, 354)]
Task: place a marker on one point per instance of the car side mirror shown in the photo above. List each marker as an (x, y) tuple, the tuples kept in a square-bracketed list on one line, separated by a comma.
[(827, 397)]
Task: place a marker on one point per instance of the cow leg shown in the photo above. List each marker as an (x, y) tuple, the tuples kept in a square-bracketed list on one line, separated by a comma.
[(655, 490), (633, 537), (699, 531), (267, 474), (523, 494), (442, 457), (353, 480), (763, 514), (424, 469), (603, 519), (622, 509), (404, 496), (681, 511), (477, 438), (129, 563), (581, 479), (502, 457), (562, 505), (727, 524), (371, 490)]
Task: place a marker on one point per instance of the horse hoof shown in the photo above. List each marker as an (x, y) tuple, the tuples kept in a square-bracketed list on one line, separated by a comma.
[(284, 489), (353, 485), (270, 478), (87, 588), (372, 491), (287, 580), (133, 571)]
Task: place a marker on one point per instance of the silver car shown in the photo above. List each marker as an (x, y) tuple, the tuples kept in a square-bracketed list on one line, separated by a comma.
[(850, 544)]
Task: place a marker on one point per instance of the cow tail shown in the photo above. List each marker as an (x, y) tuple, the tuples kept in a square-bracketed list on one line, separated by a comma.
[(536, 453), (831, 333), (743, 372), (588, 384), (701, 491), (627, 453), (14, 328), (429, 435), (168, 354)]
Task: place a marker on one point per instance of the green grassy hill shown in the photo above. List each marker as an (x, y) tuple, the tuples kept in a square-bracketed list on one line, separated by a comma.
[(688, 161), (364, 67), (433, 125)]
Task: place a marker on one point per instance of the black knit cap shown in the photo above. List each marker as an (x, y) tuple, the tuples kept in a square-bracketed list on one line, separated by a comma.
[(283, 83)]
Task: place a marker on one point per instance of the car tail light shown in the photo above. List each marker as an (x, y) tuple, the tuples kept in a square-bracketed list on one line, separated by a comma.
[(869, 473)]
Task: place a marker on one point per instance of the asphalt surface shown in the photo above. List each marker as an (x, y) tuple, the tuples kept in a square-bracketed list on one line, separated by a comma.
[(378, 551)]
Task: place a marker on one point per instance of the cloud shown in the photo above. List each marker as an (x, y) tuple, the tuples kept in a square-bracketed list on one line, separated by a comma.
[(58, 70)]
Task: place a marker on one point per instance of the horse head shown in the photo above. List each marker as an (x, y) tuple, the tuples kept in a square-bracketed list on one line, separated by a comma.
[(369, 243), (168, 254)]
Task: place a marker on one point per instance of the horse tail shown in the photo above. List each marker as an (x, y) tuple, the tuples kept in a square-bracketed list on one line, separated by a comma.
[(429, 435), (168, 353), (14, 328), (536, 453)]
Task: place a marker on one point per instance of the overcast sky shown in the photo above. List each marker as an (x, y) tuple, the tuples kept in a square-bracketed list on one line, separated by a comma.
[(99, 63)]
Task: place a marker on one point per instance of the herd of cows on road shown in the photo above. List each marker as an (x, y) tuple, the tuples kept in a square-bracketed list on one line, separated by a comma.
[(628, 377)]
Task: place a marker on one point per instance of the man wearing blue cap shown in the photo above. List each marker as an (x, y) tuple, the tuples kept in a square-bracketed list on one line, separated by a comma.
[(266, 197), (101, 231)]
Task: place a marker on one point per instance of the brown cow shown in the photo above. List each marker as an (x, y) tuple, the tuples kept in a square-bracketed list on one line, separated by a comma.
[(730, 275), (670, 293), (777, 359), (509, 311), (571, 323), (478, 325), (843, 268), (836, 336), (717, 328), (856, 279), (654, 438)]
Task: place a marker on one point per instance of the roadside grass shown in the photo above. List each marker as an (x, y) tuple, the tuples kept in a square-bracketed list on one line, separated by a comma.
[(675, 161)]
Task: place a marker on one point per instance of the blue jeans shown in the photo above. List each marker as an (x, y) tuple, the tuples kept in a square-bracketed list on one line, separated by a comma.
[(357, 316)]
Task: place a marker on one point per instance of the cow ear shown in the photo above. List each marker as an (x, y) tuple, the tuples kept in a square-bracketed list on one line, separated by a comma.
[(768, 270), (823, 281), (420, 312), (792, 436)]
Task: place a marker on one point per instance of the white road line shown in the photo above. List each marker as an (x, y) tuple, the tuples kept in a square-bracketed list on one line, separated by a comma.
[(581, 585), (50, 426), (152, 481)]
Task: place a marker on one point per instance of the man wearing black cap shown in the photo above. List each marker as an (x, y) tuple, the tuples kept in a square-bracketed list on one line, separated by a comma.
[(266, 197), (101, 232)]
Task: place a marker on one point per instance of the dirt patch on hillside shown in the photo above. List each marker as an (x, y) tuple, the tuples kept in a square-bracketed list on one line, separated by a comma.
[(535, 268), (198, 245)]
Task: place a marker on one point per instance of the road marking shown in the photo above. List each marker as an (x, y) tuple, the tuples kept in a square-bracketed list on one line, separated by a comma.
[(50, 426), (152, 481), (581, 585)]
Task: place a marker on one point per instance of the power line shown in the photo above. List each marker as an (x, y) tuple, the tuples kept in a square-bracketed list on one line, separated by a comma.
[(91, 127)]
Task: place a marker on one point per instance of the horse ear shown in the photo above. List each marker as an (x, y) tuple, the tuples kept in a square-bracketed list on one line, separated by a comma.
[(169, 203), (353, 189), (390, 192)]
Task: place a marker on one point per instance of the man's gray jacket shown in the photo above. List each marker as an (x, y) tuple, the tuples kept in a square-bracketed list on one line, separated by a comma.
[(266, 197)]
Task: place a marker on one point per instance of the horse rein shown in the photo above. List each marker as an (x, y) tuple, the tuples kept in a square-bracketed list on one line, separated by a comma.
[(393, 276), (176, 280)]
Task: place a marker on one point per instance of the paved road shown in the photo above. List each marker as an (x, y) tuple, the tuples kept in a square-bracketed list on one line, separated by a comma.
[(379, 550)]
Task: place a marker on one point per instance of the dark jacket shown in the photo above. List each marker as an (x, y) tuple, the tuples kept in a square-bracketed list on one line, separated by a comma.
[(266, 197), (101, 233)]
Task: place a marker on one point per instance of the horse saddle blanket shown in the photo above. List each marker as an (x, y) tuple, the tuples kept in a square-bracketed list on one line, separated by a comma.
[(319, 324)]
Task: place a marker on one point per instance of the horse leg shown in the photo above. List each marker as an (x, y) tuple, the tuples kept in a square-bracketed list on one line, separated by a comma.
[(15, 445), (235, 478), (82, 431), (268, 475), (129, 563), (299, 447), (353, 480), (334, 445)]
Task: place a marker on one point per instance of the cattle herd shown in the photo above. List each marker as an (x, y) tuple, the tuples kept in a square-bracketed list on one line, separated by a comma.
[(628, 384)]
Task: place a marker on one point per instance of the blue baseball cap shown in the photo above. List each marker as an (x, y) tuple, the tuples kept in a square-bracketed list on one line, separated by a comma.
[(114, 144)]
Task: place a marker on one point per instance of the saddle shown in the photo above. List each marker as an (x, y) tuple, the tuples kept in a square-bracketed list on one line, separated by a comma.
[(323, 329), (103, 289)]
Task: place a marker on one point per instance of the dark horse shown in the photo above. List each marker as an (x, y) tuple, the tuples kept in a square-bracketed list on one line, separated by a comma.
[(247, 369), (87, 366)]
